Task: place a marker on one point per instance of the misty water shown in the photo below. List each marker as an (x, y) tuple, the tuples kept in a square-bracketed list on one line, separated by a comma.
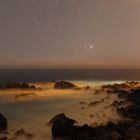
[(33, 112)]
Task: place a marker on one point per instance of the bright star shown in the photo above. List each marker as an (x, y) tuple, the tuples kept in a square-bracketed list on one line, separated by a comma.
[(91, 47)]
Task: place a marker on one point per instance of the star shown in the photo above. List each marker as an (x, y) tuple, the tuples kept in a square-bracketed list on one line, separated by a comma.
[(91, 47)]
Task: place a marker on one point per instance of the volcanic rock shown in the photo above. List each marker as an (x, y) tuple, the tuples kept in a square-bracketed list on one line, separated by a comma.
[(3, 123), (64, 85)]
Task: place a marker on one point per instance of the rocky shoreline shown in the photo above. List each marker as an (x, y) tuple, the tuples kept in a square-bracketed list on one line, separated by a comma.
[(65, 128)]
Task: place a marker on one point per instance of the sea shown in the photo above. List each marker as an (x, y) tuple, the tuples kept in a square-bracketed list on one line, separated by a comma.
[(37, 75)]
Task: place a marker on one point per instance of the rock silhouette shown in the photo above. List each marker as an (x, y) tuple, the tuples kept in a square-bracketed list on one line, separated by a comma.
[(16, 85), (66, 130), (64, 85), (3, 123)]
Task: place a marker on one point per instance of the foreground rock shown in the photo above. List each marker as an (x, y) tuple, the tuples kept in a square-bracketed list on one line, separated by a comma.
[(3, 123), (64, 85), (63, 128)]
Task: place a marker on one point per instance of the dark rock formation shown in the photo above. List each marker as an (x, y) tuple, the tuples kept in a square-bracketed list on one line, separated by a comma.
[(20, 132), (24, 96), (61, 125), (29, 136), (94, 103), (83, 103), (16, 85), (3, 123), (64, 85), (119, 87), (132, 111), (63, 128), (33, 87), (115, 87), (87, 87), (24, 85)]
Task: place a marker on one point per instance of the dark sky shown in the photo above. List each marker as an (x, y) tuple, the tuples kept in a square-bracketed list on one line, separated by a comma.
[(69, 33)]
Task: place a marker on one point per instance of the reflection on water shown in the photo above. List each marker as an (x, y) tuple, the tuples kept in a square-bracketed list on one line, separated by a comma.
[(31, 110)]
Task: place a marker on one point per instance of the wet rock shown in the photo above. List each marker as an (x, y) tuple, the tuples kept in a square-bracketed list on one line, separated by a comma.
[(91, 116), (83, 103), (33, 87), (94, 103), (87, 87), (25, 85), (3, 123), (61, 125), (14, 85), (133, 83), (24, 96), (64, 85), (128, 130), (20, 132), (123, 95), (29, 136), (116, 104), (61, 118), (132, 111), (123, 87)]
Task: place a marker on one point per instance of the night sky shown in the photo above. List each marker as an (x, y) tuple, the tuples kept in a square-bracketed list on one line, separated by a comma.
[(70, 34)]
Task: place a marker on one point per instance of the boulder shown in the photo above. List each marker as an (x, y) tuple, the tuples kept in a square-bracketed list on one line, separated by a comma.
[(64, 85), (25, 85), (61, 125), (87, 88), (3, 123), (20, 132), (29, 136)]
